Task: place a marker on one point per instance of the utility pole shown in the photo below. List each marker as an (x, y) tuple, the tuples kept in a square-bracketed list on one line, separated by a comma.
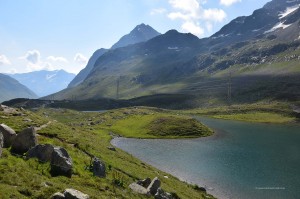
[(229, 85), (118, 85)]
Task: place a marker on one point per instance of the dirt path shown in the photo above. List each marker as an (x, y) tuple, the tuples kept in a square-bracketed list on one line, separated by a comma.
[(43, 126)]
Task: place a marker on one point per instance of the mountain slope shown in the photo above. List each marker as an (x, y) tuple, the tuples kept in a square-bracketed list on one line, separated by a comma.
[(84, 72), (45, 82), (261, 56), (139, 34), (11, 88)]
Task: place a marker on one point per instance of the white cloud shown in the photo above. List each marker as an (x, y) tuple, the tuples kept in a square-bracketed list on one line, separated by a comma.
[(80, 58), (229, 2), (214, 14), (57, 59), (4, 60), (158, 11), (192, 28), (32, 56), (194, 17)]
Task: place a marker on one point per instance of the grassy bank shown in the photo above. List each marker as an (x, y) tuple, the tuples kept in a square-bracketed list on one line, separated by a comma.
[(259, 112), (82, 134)]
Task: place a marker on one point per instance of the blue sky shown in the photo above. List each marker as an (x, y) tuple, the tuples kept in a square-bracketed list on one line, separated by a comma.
[(63, 34)]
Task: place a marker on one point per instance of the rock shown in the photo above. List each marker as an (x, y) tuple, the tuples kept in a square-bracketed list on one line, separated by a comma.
[(138, 188), (24, 141), (145, 183), (154, 185), (98, 167), (43, 152), (1, 143), (8, 135), (61, 162), (75, 194), (58, 195), (111, 148), (161, 194)]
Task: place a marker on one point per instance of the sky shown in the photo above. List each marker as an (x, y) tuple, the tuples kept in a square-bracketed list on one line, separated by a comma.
[(63, 34)]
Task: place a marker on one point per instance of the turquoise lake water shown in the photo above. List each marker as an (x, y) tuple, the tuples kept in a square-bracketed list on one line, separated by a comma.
[(242, 160)]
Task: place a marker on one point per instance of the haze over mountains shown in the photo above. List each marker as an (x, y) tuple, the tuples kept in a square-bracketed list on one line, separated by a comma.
[(45, 82), (11, 88), (260, 51)]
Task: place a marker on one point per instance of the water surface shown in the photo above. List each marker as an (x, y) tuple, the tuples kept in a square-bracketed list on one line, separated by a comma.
[(242, 160)]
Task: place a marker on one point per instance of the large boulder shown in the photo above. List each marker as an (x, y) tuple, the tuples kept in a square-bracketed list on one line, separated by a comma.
[(138, 188), (75, 194), (1, 143), (24, 141), (98, 167), (43, 152), (8, 134), (61, 162), (161, 194), (58, 195), (145, 183), (154, 185)]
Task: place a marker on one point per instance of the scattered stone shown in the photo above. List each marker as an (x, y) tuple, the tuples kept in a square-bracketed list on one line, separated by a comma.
[(161, 194), (61, 162), (58, 195), (145, 183), (166, 177), (154, 185), (98, 167), (27, 120), (111, 148), (43, 152), (75, 194), (8, 135), (200, 188), (24, 141), (138, 188)]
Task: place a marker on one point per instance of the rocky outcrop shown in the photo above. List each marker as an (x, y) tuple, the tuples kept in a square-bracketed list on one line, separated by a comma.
[(24, 141), (8, 135), (98, 167), (70, 194), (43, 152), (61, 162), (154, 185)]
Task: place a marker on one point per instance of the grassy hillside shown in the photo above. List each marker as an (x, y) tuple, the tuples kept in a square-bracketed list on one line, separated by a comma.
[(83, 134)]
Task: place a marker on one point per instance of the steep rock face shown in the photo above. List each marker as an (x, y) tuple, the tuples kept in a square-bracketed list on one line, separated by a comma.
[(11, 88), (139, 34)]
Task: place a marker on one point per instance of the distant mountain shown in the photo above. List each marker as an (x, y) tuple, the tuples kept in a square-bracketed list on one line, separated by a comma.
[(258, 54), (139, 34), (45, 82), (11, 88)]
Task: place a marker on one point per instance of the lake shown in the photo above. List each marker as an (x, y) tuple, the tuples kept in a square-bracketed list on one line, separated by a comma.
[(241, 160)]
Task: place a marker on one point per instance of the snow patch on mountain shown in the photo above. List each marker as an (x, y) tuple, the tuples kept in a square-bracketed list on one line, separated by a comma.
[(278, 26), (288, 11)]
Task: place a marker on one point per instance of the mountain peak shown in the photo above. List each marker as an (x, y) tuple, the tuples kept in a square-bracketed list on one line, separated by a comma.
[(140, 33)]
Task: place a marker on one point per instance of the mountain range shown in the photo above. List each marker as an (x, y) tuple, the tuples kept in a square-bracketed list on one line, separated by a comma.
[(139, 34), (11, 88), (251, 58), (44, 82)]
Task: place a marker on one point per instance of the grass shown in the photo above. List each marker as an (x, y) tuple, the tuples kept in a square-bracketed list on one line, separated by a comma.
[(275, 112), (82, 134)]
